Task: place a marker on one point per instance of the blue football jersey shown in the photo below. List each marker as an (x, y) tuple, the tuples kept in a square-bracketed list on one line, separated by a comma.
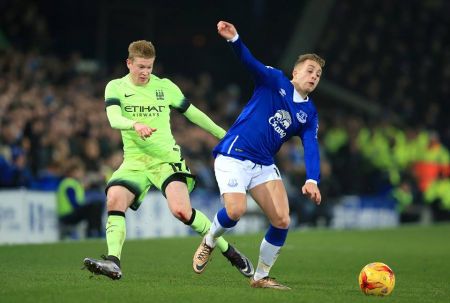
[(274, 114)]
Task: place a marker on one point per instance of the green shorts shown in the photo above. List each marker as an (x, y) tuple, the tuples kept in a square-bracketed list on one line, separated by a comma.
[(139, 174)]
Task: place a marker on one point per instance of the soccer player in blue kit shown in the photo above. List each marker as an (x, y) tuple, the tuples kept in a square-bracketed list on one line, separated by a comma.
[(278, 110)]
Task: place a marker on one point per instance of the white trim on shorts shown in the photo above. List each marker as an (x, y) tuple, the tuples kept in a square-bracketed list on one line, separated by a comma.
[(239, 176)]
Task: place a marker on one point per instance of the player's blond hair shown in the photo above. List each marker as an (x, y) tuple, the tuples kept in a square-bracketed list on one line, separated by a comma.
[(313, 57), (141, 49)]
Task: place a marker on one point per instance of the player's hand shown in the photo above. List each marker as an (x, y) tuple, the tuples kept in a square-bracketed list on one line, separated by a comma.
[(143, 130), (226, 30), (311, 190)]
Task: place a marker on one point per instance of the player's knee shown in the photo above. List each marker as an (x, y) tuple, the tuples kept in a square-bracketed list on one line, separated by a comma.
[(113, 202), (235, 212), (182, 214), (282, 222)]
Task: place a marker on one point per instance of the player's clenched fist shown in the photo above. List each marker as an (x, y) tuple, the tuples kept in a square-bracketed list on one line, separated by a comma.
[(312, 192), (143, 130), (226, 30)]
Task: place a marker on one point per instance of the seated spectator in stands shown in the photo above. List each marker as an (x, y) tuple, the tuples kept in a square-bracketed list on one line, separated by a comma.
[(15, 173), (72, 205)]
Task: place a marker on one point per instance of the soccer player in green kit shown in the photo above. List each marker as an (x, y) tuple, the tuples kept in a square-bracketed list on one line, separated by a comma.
[(139, 105)]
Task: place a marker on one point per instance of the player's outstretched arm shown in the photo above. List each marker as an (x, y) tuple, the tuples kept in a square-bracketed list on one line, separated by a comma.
[(261, 73), (226, 30), (201, 119)]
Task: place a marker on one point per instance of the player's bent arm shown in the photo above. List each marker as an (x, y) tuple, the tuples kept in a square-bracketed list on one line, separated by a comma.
[(116, 120), (201, 119)]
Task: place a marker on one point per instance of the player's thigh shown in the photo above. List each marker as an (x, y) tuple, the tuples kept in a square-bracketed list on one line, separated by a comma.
[(129, 186), (233, 177), (163, 172), (178, 199), (118, 198), (271, 196)]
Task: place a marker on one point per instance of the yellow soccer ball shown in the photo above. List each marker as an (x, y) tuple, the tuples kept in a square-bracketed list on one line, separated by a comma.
[(376, 279)]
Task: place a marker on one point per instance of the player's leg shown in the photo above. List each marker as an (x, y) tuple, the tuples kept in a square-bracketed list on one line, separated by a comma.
[(235, 203), (175, 182), (271, 196), (118, 199), (177, 194), (233, 177), (233, 193), (126, 188), (226, 218)]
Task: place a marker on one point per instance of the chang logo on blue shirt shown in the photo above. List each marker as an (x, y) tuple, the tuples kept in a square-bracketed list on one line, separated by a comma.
[(280, 122)]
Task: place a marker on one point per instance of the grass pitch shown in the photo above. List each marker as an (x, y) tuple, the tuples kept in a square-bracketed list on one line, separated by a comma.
[(320, 266)]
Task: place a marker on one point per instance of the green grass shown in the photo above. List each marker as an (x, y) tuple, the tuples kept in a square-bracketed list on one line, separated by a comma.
[(320, 266)]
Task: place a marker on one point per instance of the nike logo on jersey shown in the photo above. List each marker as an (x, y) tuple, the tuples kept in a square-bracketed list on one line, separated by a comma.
[(126, 96)]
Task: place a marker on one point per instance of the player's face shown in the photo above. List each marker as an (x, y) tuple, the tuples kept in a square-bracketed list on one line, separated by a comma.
[(306, 76), (140, 69)]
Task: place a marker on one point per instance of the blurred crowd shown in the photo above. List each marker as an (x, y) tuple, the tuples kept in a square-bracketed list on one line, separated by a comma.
[(395, 54), (52, 114)]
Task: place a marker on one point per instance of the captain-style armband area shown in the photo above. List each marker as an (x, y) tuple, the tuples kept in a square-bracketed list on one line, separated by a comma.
[(185, 104), (311, 181)]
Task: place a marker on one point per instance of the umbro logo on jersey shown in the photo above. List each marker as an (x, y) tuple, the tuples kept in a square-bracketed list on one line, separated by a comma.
[(126, 96), (159, 94), (282, 92)]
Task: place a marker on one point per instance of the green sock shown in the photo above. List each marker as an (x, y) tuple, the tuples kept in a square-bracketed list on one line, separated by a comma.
[(201, 225), (115, 234)]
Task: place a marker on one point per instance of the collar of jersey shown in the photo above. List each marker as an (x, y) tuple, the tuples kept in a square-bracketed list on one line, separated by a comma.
[(131, 82), (298, 98)]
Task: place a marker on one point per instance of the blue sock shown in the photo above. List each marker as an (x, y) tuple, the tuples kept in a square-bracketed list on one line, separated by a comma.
[(224, 220), (276, 236)]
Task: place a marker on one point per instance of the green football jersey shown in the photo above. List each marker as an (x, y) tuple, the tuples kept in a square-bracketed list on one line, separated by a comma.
[(149, 104)]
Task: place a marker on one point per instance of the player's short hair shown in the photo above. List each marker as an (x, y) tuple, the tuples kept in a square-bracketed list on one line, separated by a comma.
[(141, 49), (313, 57)]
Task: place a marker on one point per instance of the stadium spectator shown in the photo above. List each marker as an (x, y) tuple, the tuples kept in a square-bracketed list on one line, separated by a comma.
[(73, 207)]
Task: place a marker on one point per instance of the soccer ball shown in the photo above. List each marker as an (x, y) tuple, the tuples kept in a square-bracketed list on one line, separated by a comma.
[(376, 279)]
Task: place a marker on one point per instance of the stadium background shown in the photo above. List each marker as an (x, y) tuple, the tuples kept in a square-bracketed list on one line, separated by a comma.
[(384, 130)]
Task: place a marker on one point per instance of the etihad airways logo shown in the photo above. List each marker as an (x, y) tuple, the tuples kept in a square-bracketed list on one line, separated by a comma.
[(280, 122), (144, 111)]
